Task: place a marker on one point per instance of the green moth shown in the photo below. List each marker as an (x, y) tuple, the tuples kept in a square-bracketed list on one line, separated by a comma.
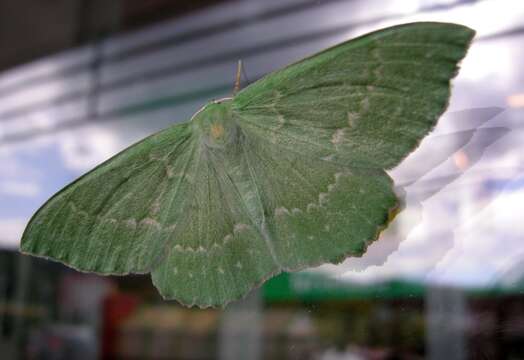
[(287, 174)]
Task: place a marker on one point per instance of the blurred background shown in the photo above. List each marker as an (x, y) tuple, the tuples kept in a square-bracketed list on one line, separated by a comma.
[(82, 79)]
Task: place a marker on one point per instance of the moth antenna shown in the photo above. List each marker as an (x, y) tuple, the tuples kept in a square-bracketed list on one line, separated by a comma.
[(237, 80), (245, 74)]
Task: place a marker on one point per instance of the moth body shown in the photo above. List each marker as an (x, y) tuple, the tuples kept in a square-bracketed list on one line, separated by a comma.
[(215, 124)]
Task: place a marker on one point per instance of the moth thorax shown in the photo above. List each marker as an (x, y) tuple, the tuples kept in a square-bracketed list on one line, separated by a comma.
[(215, 124)]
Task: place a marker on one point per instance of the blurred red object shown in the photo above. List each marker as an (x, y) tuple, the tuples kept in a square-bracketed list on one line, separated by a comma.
[(117, 308)]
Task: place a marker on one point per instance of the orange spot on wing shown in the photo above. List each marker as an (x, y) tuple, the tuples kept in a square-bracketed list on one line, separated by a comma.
[(217, 130)]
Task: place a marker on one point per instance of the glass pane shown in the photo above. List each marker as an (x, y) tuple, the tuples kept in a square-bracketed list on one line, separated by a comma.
[(444, 281)]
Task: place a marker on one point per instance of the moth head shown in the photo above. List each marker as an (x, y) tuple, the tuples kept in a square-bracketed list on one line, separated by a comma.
[(215, 124)]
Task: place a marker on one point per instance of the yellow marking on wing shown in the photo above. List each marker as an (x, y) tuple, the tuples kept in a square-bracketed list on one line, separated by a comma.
[(217, 131)]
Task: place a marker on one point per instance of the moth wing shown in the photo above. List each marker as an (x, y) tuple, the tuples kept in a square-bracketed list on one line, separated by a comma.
[(115, 219), (221, 246), (317, 211), (322, 132), (367, 102)]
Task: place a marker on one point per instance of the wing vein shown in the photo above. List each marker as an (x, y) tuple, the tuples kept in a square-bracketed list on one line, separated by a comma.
[(264, 231)]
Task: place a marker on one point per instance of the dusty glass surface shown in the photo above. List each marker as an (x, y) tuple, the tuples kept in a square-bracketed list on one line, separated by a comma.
[(444, 281)]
